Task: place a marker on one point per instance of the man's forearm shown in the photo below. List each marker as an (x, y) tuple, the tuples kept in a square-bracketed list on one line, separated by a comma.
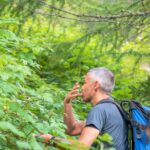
[(68, 144), (69, 118), (62, 144)]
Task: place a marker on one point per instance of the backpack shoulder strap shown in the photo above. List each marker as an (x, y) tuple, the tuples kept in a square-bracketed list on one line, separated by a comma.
[(123, 113), (137, 105)]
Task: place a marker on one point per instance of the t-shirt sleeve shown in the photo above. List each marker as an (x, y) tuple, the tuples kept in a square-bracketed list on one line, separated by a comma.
[(96, 118)]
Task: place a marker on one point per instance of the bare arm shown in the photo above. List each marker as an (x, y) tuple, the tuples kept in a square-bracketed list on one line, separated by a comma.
[(74, 127), (61, 143), (88, 136)]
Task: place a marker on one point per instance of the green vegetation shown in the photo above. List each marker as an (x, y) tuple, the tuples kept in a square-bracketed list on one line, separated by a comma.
[(48, 45)]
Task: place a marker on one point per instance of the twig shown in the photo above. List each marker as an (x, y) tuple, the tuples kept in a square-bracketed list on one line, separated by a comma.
[(69, 18), (137, 14)]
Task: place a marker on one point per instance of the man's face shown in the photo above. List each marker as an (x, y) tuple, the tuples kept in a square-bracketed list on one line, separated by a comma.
[(87, 89)]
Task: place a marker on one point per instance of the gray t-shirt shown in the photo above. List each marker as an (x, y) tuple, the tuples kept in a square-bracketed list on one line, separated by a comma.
[(107, 119)]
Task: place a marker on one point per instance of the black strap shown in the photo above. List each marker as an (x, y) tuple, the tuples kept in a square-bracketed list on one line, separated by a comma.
[(134, 104), (123, 113)]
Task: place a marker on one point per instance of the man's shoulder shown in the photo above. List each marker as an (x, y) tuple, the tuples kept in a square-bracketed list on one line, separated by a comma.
[(106, 108), (100, 109), (104, 104)]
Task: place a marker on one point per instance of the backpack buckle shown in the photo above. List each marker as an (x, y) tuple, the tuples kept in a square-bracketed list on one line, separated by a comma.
[(138, 133)]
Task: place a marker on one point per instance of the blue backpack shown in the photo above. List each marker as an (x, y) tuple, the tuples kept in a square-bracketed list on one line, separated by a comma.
[(138, 120), (140, 123)]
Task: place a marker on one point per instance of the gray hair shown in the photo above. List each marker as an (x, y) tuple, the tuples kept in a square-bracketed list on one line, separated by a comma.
[(105, 77)]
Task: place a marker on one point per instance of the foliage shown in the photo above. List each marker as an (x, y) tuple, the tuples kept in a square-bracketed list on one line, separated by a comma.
[(46, 46), (27, 102)]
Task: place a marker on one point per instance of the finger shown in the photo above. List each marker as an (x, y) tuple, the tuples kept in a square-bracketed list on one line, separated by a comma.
[(76, 83), (76, 86), (74, 92), (75, 95), (80, 94)]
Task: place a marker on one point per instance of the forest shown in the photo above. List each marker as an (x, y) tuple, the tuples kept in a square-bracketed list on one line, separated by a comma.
[(46, 46)]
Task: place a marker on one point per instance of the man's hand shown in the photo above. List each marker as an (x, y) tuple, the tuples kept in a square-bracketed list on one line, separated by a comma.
[(73, 94), (45, 138)]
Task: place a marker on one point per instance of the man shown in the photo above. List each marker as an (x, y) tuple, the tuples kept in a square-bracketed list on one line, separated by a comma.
[(103, 118)]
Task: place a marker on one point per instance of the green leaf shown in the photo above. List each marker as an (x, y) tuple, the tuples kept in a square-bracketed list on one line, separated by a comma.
[(35, 145), (8, 126), (23, 144), (8, 88), (6, 34), (106, 137), (8, 21)]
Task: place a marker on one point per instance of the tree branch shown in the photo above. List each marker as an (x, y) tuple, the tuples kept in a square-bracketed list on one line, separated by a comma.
[(69, 18), (99, 18)]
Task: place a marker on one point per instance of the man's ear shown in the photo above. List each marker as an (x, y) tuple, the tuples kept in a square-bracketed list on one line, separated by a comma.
[(96, 85)]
